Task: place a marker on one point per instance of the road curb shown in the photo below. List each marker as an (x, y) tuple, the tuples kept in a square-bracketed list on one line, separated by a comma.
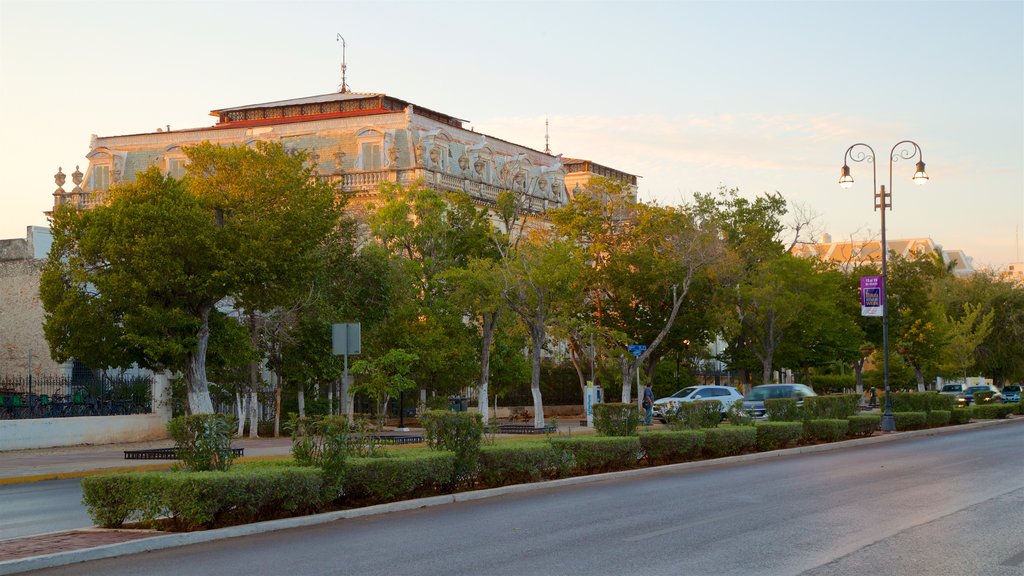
[(184, 539)]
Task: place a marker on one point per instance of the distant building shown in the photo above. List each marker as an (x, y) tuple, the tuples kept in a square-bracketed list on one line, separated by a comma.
[(21, 312), (1014, 273), (851, 253), (355, 141)]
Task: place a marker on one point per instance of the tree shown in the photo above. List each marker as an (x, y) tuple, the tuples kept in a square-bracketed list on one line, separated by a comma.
[(150, 267), (537, 276), (915, 318), (387, 375), (965, 336)]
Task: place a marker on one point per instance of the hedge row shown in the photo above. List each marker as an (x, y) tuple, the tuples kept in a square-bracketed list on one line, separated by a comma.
[(922, 401)]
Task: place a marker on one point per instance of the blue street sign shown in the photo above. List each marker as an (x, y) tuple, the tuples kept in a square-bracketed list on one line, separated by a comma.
[(636, 349)]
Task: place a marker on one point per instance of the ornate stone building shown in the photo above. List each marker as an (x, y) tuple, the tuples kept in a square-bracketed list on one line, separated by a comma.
[(356, 141), (850, 253)]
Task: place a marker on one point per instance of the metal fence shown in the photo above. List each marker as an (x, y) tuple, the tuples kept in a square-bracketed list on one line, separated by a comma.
[(80, 395)]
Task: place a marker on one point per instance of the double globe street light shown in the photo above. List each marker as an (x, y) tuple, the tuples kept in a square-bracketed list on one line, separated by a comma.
[(860, 152)]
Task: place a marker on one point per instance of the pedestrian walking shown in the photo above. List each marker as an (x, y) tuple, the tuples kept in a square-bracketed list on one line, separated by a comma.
[(648, 404)]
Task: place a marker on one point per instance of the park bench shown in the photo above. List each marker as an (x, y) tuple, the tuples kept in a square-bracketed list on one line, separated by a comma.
[(525, 429), (166, 454)]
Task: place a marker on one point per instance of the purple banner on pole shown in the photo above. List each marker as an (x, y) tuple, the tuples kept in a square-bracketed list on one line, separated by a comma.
[(872, 293)]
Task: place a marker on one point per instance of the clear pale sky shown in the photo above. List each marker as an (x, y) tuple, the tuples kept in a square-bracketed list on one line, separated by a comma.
[(763, 96)]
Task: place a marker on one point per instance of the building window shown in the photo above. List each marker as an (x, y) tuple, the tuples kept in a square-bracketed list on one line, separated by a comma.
[(176, 168), (99, 178), (369, 154)]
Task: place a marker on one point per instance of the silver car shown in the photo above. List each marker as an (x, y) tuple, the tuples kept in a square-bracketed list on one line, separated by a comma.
[(753, 403), (727, 395)]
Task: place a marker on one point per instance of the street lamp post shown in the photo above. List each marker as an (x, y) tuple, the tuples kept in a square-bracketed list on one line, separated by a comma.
[(904, 150)]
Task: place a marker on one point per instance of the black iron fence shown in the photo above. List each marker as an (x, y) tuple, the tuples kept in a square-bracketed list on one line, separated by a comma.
[(60, 396)]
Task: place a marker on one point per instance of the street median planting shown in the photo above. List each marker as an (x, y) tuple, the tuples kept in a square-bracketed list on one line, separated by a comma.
[(910, 420), (595, 454), (670, 447), (991, 411), (960, 416), (825, 429), (193, 500), (863, 425), (730, 440), (938, 418), (782, 410), (519, 464), (776, 435), (833, 406), (379, 480)]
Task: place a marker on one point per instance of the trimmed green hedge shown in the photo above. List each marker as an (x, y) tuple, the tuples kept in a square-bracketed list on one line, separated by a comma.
[(960, 415), (832, 383), (695, 415), (668, 447), (922, 401), (519, 464), (595, 454), (379, 480), (910, 420), (782, 410), (1018, 407), (776, 435), (195, 500), (616, 419), (863, 425), (835, 406), (991, 411), (938, 418), (825, 429), (729, 441)]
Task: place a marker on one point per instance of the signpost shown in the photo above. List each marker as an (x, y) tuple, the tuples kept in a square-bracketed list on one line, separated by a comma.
[(345, 340), (636, 350)]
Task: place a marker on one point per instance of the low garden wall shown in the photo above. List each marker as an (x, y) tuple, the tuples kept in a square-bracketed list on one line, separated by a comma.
[(51, 432)]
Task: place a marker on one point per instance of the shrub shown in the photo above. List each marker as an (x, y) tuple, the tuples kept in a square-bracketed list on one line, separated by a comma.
[(203, 499), (737, 416), (983, 397), (203, 441), (775, 435), (835, 406), (782, 410), (378, 480), (922, 401), (863, 425), (832, 383), (990, 411), (594, 454), (910, 420), (729, 441), (666, 447), (459, 432), (322, 442), (938, 418), (960, 415), (616, 419), (695, 415), (826, 429), (518, 464), (1018, 407)]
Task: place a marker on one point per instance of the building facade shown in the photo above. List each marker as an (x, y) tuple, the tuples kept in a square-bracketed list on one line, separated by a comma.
[(356, 141), (853, 252)]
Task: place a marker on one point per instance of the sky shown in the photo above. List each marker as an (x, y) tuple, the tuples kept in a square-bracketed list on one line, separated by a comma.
[(759, 96)]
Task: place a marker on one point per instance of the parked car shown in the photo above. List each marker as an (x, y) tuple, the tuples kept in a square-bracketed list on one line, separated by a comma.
[(1011, 393), (952, 389), (753, 403), (727, 395), (968, 396)]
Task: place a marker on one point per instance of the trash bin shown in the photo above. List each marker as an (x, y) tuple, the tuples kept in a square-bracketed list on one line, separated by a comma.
[(457, 403)]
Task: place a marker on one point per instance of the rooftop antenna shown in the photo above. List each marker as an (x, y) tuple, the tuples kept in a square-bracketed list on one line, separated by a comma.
[(547, 149), (344, 87)]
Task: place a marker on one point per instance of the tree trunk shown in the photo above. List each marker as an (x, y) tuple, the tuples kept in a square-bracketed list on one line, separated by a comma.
[(277, 407), (239, 413), (919, 376), (537, 337), (490, 322), (302, 400), (198, 392), (575, 353), (858, 370), (254, 418)]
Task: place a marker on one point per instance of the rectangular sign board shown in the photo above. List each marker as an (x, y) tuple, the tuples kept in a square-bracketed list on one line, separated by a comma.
[(872, 294), (345, 339)]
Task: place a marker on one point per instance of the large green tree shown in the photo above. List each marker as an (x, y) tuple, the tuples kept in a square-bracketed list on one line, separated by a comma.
[(148, 268)]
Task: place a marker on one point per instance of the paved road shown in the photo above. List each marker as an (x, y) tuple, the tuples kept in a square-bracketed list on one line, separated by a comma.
[(41, 507), (941, 505)]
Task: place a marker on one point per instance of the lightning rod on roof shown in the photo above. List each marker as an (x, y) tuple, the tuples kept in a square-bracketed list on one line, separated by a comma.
[(547, 149), (344, 87)]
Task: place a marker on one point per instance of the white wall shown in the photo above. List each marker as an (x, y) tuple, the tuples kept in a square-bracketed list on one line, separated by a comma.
[(50, 432)]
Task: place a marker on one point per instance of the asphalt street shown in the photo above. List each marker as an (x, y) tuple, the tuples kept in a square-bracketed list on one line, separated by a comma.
[(936, 505), (41, 507)]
